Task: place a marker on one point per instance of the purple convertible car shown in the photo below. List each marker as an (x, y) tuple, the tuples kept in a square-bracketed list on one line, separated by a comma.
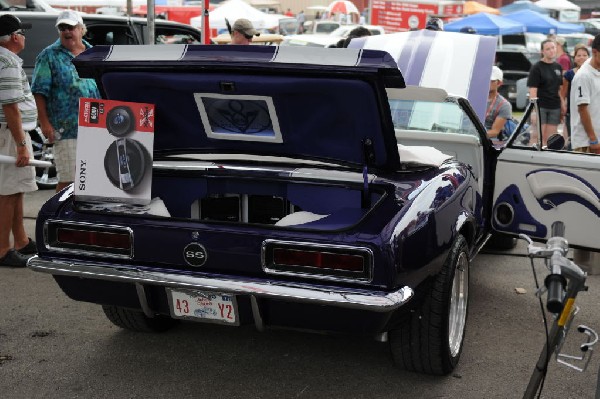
[(313, 189)]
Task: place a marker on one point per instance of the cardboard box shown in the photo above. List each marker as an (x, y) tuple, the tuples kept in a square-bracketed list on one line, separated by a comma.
[(114, 151)]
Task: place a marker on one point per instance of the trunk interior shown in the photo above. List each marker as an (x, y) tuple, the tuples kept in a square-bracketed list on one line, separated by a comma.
[(319, 205)]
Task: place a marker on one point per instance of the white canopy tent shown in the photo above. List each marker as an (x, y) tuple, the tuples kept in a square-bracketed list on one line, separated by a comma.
[(557, 5), (562, 10), (232, 10)]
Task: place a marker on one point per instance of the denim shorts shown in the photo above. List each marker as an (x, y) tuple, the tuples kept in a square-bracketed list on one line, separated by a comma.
[(550, 116)]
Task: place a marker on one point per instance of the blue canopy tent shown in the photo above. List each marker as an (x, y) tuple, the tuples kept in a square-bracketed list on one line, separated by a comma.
[(536, 22), (487, 24), (521, 5)]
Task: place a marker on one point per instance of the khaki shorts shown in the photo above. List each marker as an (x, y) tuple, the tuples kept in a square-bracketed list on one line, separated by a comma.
[(64, 158), (14, 179)]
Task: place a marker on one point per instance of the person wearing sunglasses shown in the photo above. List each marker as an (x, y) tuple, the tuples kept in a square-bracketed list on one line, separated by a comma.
[(243, 31), (18, 115), (57, 89)]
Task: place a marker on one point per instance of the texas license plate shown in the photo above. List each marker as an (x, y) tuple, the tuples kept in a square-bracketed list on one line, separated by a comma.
[(212, 307)]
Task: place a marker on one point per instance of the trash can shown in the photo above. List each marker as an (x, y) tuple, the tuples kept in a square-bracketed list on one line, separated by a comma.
[(589, 261)]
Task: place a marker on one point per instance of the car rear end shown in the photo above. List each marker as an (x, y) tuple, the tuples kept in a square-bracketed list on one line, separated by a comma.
[(291, 216)]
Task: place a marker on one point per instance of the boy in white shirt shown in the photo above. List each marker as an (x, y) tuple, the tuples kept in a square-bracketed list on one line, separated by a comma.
[(585, 103)]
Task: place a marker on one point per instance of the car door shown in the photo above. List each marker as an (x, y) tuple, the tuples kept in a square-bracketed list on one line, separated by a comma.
[(536, 185)]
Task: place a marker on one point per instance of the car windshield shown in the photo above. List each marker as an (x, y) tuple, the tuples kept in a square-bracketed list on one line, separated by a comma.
[(428, 116)]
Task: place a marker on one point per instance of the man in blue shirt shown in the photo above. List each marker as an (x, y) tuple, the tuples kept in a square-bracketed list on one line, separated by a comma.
[(57, 89)]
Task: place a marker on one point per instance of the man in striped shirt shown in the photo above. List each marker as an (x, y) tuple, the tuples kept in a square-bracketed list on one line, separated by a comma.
[(18, 115)]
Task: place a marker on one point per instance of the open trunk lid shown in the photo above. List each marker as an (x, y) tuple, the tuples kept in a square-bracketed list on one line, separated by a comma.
[(316, 104)]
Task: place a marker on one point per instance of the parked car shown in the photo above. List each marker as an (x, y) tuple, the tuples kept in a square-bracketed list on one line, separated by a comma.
[(591, 27), (344, 30), (309, 188), (310, 40), (515, 54), (573, 39), (528, 42), (330, 40), (28, 5), (101, 29), (320, 27), (515, 64)]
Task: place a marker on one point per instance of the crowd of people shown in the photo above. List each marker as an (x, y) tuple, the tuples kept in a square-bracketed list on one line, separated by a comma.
[(565, 88)]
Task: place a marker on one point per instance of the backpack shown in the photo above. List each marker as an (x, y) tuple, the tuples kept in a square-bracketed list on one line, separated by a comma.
[(510, 126)]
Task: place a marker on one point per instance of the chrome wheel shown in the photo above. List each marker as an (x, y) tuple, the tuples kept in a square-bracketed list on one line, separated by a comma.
[(46, 178), (429, 339), (457, 316)]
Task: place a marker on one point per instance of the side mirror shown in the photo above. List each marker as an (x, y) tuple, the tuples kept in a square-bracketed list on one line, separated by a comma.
[(556, 142)]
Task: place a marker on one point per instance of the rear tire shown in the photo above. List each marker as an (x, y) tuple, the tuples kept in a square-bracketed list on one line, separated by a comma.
[(429, 339), (137, 321)]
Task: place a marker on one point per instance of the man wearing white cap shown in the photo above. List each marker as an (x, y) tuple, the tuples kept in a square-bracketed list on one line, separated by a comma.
[(498, 109), (243, 31), (57, 88)]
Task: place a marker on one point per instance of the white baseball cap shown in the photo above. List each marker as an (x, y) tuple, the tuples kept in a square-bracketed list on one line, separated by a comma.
[(496, 73), (69, 17)]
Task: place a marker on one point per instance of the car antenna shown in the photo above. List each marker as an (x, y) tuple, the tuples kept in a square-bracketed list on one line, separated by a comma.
[(228, 26)]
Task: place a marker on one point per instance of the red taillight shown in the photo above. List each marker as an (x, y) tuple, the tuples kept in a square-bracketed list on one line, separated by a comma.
[(93, 238), (317, 259)]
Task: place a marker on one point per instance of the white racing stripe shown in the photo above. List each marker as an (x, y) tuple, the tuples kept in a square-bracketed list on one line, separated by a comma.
[(454, 75), (317, 56), (172, 52), (393, 44)]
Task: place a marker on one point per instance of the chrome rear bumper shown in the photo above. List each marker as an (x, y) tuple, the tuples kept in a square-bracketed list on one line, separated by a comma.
[(375, 301)]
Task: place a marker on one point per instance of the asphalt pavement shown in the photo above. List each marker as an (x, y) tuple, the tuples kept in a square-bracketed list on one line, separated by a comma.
[(54, 347)]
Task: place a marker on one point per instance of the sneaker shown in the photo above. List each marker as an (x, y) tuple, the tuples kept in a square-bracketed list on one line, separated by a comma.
[(29, 249), (13, 259)]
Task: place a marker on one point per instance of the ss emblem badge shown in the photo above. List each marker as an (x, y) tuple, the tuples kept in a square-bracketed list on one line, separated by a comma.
[(194, 254)]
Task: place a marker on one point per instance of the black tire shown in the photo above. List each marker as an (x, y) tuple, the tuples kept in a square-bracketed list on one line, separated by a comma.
[(137, 321), (46, 178), (429, 339), (501, 241)]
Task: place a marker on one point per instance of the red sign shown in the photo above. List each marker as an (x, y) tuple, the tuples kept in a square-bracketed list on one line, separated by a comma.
[(404, 15), (453, 10)]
